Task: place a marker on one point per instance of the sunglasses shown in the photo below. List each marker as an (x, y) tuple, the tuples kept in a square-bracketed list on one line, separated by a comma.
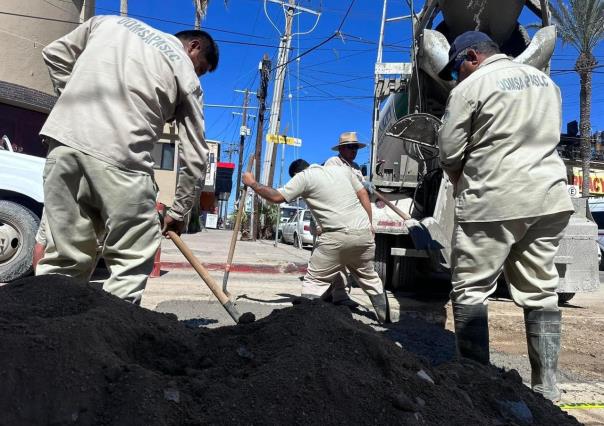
[(456, 66), (351, 147)]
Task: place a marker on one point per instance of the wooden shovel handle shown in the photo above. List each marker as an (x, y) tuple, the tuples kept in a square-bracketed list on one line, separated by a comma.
[(250, 164), (201, 270), (386, 201)]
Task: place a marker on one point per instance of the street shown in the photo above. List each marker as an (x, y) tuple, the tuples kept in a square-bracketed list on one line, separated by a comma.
[(422, 324)]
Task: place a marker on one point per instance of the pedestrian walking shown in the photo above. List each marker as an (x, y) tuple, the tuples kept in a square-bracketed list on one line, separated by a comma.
[(498, 146), (118, 81), (346, 240)]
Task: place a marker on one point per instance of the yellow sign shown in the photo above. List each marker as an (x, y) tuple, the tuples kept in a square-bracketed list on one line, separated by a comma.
[(280, 139), (596, 180)]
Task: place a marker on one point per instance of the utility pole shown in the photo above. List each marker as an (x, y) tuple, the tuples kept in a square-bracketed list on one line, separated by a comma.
[(230, 150), (242, 134), (268, 167), (265, 67)]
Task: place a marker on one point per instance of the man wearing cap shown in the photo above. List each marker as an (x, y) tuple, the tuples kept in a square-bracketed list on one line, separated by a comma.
[(498, 147), (345, 217), (118, 81), (347, 147)]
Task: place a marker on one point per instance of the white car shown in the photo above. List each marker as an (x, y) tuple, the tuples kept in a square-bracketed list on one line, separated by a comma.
[(21, 202), (297, 230), (287, 212)]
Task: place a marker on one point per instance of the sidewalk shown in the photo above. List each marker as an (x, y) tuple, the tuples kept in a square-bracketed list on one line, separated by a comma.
[(261, 274), (212, 248)]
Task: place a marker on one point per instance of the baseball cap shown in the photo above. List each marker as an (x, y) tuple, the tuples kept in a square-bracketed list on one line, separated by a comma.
[(462, 42)]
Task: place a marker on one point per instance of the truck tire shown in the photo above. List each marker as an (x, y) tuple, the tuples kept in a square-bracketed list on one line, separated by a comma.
[(297, 242), (383, 260), (404, 273), (18, 227)]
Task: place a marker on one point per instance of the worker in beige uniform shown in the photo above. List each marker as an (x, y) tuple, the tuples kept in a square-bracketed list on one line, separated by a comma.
[(344, 215), (498, 146), (347, 147), (118, 81)]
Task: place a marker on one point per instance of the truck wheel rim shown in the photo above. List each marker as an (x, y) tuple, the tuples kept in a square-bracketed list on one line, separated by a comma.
[(10, 242)]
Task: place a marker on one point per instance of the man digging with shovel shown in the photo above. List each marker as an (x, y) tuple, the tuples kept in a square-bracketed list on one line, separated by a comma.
[(341, 206), (119, 80)]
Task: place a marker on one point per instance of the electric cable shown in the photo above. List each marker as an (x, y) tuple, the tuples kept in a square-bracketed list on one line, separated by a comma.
[(335, 34)]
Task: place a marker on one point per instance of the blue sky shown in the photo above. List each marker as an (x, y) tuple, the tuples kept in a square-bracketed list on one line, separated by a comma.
[(329, 90)]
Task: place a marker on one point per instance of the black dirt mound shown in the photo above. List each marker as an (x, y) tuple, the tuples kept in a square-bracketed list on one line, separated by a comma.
[(73, 354)]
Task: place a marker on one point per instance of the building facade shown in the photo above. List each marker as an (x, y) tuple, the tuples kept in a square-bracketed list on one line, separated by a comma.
[(26, 93)]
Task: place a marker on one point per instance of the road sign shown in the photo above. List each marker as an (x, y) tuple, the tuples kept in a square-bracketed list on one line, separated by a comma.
[(403, 68), (280, 139), (573, 190)]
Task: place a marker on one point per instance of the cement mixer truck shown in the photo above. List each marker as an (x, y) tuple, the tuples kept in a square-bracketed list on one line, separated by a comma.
[(410, 99)]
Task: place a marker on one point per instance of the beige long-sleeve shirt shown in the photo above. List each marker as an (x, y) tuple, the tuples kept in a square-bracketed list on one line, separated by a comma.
[(119, 80), (500, 131), (338, 161), (331, 194)]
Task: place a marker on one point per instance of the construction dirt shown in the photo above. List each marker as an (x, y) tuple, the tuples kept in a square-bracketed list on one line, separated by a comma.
[(73, 354)]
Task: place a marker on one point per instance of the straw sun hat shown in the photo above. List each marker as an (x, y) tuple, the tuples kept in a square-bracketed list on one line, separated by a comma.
[(348, 138)]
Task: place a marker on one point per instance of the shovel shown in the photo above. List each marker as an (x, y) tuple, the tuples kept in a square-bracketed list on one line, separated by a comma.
[(245, 318), (229, 261), (396, 210)]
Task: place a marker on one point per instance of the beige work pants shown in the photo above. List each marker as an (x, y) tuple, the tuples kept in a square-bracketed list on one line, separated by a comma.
[(336, 251), (84, 196), (523, 248)]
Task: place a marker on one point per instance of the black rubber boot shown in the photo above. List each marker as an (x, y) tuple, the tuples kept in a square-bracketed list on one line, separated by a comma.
[(472, 331), (380, 304), (543, 342)]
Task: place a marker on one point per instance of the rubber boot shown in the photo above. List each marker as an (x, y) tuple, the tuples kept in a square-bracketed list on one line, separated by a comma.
[(380, 304), (340, 297), (543, 342), (472, 332)]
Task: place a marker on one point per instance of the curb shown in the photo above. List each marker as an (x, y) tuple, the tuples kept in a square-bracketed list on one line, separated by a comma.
[(286, 268)]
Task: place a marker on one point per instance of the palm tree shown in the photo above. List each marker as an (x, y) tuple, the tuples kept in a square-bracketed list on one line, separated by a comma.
[(581, 24), (123, 7), (201, 7)]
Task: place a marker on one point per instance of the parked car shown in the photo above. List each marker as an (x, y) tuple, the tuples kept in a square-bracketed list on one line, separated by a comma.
[(287, 213), (297, 230), (21, 202)]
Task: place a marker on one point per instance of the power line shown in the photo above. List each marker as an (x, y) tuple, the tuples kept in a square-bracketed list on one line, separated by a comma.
[(335, 34), (332, 96), (169, 21)]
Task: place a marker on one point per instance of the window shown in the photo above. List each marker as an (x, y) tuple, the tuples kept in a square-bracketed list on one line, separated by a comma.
[(307, 215), (288, 213), (599, 219), (163, 156)]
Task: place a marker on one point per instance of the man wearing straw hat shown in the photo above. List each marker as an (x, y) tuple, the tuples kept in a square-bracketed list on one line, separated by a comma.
[(347, 148)]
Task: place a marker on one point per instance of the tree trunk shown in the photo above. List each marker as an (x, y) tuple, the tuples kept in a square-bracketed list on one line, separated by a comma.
[(123, 7), (584, 67)]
